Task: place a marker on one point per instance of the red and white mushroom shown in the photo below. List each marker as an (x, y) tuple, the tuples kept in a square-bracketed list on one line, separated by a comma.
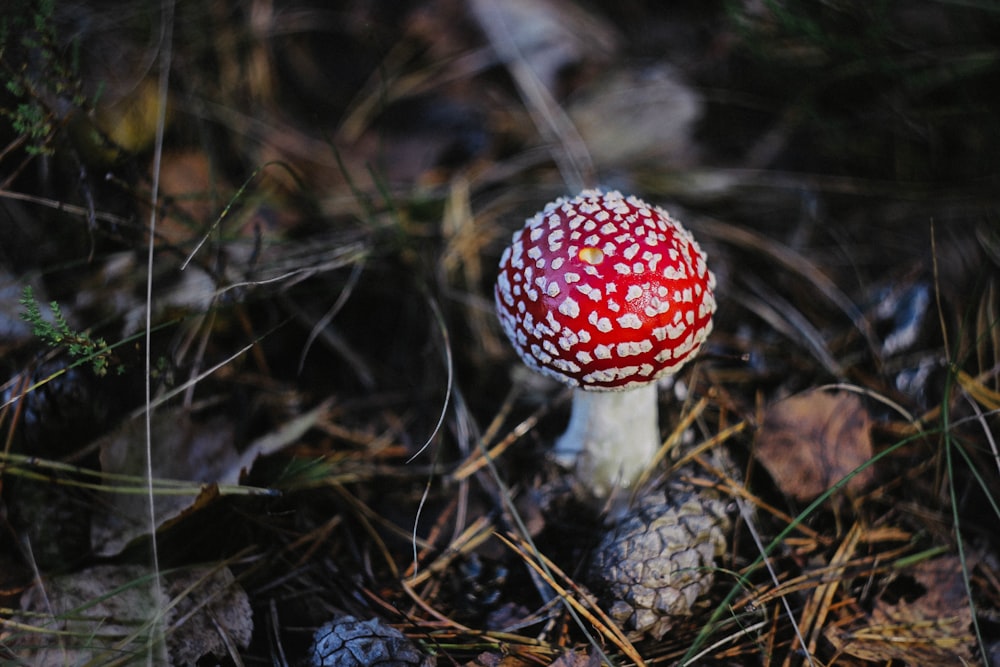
[(607, 294)]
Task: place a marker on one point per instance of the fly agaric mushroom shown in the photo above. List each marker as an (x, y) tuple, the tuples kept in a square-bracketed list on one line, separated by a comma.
[(607, 294)]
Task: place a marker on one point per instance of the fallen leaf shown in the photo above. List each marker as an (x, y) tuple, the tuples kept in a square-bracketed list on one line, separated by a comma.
[(811, 441), (86, 616), (182, 450), (103, 613), (573, 658), (485, 660), (194, 194), (200, 452), (211, 613), (932, 630)]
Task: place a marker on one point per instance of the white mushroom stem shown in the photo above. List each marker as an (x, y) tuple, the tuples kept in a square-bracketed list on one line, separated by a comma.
[(612, 437)]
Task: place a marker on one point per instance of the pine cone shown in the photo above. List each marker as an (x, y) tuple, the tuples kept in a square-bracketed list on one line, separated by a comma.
[(653, 564), (348, 642)]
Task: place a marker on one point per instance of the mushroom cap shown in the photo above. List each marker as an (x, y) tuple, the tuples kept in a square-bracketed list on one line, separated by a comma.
[(604, 292)]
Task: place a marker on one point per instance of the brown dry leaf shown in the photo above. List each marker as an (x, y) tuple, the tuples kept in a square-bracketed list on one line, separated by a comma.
[(485, 660), (573, 658), (100, 608), (932, 630), (211, 613), (195, 195), (184, 449), (96, 607), (811, 441)]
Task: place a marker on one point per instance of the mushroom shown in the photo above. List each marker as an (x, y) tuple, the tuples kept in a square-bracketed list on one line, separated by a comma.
[(607, 294)]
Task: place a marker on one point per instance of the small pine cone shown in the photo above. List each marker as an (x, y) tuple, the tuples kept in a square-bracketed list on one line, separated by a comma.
[(653, 564), (348, 642)]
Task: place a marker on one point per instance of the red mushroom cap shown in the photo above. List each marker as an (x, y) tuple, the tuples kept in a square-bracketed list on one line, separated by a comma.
[(605, 292)]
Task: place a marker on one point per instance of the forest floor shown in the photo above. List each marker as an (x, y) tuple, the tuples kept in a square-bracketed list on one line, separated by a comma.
[(253, 381)]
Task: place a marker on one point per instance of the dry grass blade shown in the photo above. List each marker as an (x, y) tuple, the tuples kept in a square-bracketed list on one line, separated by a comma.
[(794, 262), (64, 474), (782, 316), (817, 607), (58, 205), (978, 391), (672, 441), (431, 611), (588, 610), (568, 148), (473, 536), (481, 457)]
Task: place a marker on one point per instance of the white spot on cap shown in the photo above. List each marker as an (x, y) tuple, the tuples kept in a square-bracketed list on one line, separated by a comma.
[(565, 365), (553, 323), (604, 376), (629, 321), (634, 292), (633, 348), (592, 293), (539, 354), (674, 273), (568, 339), (569, 307), (503, 287), (602, 352), (516, 259)]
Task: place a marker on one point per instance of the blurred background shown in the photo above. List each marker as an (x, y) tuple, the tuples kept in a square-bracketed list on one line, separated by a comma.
[(274, 227)]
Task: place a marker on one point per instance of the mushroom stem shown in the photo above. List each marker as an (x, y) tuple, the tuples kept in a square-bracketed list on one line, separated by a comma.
[(612, 436)]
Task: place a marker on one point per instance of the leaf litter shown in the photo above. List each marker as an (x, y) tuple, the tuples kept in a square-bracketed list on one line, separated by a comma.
[(337, 170), (812, 441)]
